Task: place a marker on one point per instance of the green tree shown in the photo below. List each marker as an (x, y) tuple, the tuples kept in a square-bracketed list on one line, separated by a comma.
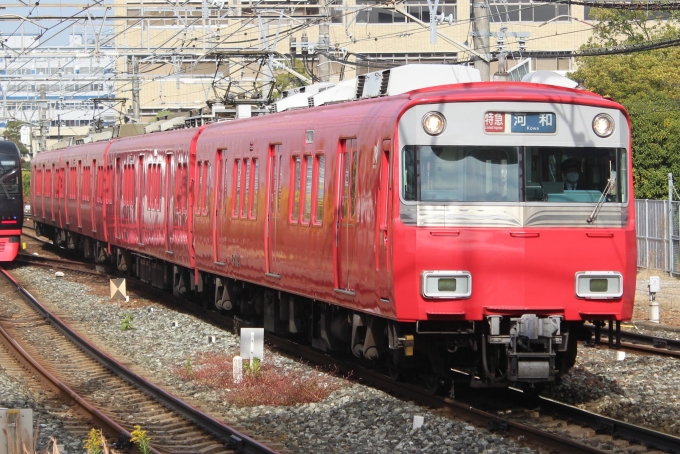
[(283, 80), (647, 83), (12, 133)]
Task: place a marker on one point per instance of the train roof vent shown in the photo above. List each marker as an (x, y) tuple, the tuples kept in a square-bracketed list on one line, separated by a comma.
[(299, 99), (343, 91), (402, 79), (413, 77), (361, 81), (385, 82), (310, 101), (294, 91), (372, 84), (549, 78)]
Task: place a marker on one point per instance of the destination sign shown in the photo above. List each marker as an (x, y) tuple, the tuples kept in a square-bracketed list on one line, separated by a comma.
[(542, 123), (516, 123)]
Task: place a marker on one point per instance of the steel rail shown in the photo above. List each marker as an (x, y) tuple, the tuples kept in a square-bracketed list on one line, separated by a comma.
[(231, 436), (458, 409), (610, 426), (636, 342), (109, 426)]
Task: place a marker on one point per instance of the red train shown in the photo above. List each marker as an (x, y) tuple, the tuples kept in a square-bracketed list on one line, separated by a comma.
[(471, 227), (11, 201)]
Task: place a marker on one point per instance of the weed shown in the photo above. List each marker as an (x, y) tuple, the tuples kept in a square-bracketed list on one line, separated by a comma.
[(126, 321), (269, 385), (252, 367), (188, 368), (93, 442), (141, 439)]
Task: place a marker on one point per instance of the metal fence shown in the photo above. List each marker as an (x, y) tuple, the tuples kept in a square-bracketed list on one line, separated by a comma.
[(654, 249)]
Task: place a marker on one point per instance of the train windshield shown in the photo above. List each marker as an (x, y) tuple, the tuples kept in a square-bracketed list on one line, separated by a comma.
[(513, 174), (10, 173)]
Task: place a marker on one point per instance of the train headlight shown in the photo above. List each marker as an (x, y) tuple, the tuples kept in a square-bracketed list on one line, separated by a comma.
[(599, 284), (434, 123), (446, 284), (603, 125)]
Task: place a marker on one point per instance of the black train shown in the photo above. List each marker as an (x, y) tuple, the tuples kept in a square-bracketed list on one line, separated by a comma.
[(11, 201)]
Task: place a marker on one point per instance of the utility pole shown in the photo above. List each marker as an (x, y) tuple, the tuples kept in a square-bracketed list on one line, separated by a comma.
[(480, 37), (134, 69), (323, 46), (44, 122)]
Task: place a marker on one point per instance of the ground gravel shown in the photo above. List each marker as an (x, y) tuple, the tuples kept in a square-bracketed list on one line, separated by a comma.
[(355, 418), (639, 389)]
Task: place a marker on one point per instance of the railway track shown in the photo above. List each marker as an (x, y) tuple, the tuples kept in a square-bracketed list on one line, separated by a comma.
[(115, 398), (545, 413), (636, 342)]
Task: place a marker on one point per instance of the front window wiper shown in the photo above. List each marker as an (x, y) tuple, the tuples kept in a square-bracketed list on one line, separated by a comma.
[(607, 190)]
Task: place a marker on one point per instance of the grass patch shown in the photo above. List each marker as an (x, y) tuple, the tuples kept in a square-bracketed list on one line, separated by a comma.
[(271, 386)]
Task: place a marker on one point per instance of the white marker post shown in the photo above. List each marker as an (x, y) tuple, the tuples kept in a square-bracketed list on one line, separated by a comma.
[(252, 343), (237, 369), (654, 287)]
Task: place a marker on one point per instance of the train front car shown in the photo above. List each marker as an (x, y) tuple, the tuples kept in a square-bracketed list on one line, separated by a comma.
[(515, 226), (11, 201)]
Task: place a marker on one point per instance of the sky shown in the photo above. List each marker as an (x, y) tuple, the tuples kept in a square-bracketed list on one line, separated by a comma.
[(56, 31)]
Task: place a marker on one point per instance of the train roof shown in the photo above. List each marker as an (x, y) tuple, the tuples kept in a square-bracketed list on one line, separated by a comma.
[(7, 146)]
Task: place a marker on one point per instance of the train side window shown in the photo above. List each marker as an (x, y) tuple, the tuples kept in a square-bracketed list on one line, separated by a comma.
[(38, 180), (246, 190), (128, 185), (319, 188), (100, 171), (236, 199), (153, 187), (85, 196), (294, 205), (256, 187), (72, 179), (149, 186), (108, 195), (183, 186), (206, 184), (198, 191), (48, 183), (307, 194), (62, 183)]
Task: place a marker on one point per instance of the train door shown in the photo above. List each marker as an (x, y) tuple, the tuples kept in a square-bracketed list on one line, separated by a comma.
[(384, 198), (94, 200), (52, 190), (274, 172), (169, 202), (78, 194), (44, 184), (139, 198), (61, 201), (117, 198), (346, 215), (219, 210)]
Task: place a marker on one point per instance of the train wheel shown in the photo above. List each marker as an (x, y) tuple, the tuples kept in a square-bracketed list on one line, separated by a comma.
[(395, 373), (533, 391), (438, 384)]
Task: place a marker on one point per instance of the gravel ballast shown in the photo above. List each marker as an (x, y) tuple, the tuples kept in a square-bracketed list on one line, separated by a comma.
[(355, 418)]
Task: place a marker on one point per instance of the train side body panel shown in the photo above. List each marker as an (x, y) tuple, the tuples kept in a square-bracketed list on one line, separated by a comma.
[(149, 183), (294, 252)]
